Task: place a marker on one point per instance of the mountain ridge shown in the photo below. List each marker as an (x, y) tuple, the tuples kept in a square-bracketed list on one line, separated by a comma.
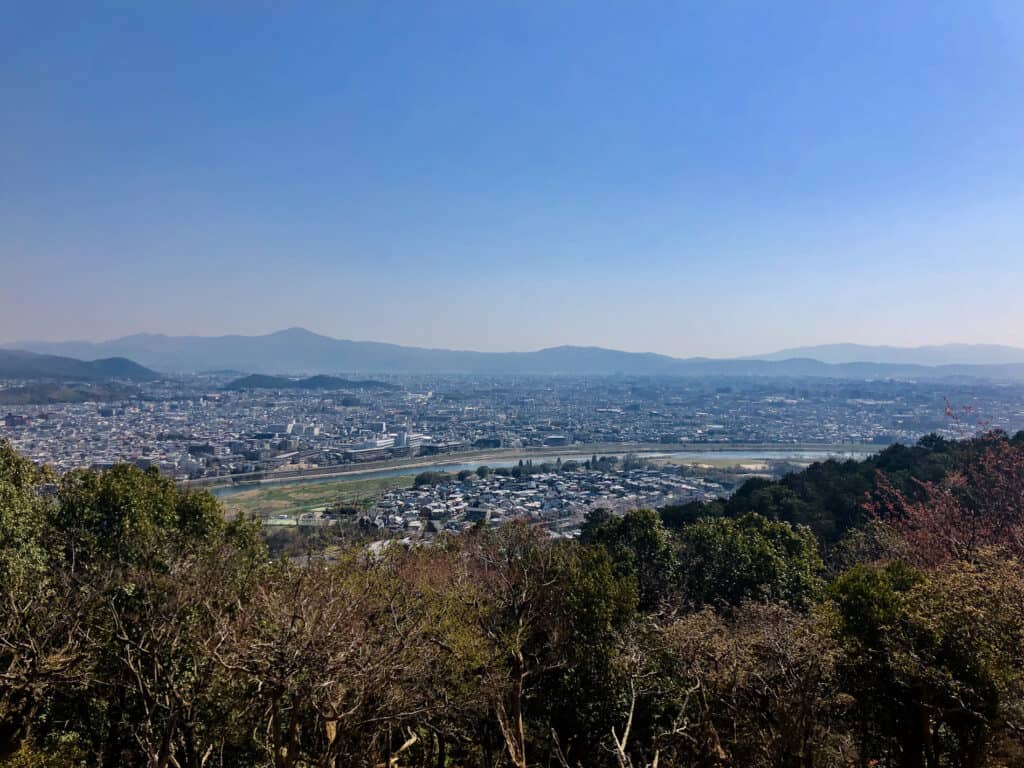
[(931, 354), (296, 351)]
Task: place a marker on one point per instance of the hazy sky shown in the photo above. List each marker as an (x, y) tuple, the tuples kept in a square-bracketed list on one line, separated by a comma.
[(683, 177)]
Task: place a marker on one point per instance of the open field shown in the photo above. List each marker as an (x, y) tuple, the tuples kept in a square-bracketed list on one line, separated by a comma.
[(294, 499), (298, 497), (293, 496), (753, 465)]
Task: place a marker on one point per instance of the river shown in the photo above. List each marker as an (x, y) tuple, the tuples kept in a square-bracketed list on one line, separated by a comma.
[(780, 454)]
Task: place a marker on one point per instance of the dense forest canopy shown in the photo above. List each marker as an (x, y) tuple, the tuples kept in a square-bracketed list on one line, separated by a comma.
[(851, 614)]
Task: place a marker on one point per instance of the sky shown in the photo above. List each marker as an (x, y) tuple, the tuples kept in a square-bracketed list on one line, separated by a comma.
[(718, 177)]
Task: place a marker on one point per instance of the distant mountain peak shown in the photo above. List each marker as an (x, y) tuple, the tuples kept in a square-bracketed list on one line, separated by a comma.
[(297, 330)]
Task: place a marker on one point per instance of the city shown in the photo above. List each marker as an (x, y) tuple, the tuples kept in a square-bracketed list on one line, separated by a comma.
[(201, 429)]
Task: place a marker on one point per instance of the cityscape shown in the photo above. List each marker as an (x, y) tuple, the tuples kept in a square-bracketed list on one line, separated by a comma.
[(204, 428), (659, 440)]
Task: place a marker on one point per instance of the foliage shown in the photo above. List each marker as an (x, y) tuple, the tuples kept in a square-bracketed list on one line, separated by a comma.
[(730, 561), (934, 660), (829, 497), (139, 627), (969, 510), (640, 548), (430, 478), (756, 687)]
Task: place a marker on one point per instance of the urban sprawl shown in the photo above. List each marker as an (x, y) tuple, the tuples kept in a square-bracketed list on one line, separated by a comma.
[(195, 428), (204, 431)]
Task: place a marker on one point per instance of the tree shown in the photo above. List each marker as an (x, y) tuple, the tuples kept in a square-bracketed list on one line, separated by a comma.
[(546, 613), (577, 698), (934, 660), (640, 548), (726, 562), (107, 612), (430, 478), (131, 517), (327, 661), (756, 689), (675, 517), (166, 697), (41, 649), (147, 559), (966, 512), (137, 627)]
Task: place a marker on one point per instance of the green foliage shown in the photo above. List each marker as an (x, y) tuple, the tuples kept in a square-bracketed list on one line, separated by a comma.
[(137, 627), (677, 516), (108, 588), (424, 479), (35, 652), (871, 600), (131, 516), (572, 696), (23, 517), (728, 561), (829, 497), (640, 549), (63, 753), (934, 660)]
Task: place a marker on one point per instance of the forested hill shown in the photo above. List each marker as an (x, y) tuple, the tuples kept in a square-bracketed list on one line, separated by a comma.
[(829, 497), (851, 614), (16, 364)]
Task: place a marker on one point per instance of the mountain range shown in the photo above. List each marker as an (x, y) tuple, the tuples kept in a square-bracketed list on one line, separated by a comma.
[(943, 354), (296, 351)]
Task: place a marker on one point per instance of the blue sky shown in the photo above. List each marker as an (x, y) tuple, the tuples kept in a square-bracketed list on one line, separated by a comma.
[(689, 177)]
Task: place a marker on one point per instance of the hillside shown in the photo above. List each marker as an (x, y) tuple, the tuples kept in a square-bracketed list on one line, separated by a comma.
[(49, 393), (18, 364), (818, 617)]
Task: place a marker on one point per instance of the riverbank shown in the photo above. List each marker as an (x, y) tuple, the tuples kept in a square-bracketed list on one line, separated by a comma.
[(313, 493), (687, 453)]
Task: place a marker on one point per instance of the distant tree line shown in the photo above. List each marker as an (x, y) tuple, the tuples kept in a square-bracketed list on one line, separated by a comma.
[(851, 614)]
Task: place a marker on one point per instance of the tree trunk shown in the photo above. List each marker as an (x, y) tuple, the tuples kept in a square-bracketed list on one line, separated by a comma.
[(442, 749)]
